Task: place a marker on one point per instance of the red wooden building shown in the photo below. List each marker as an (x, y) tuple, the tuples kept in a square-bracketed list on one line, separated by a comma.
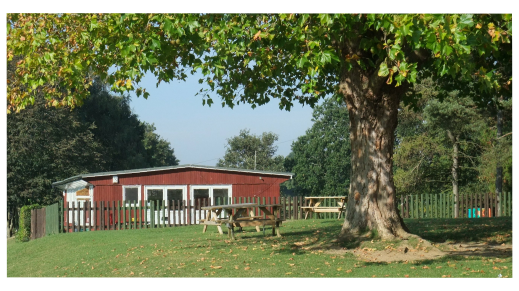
[(185, 182)]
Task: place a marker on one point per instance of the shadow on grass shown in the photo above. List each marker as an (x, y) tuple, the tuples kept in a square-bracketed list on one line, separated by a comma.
[(314, 235), (495, 229)]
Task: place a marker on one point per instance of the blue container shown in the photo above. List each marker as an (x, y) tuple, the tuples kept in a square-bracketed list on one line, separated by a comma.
[(473, 213)]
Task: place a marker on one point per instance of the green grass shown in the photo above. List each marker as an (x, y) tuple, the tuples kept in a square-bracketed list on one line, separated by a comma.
[(301, 252)]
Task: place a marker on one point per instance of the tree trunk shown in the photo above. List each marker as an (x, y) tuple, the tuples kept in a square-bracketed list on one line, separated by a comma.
[(373, 110), (454, 171), (499, 169)]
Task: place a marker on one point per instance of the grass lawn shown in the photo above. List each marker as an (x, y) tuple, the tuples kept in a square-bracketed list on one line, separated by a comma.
[(305, 250)]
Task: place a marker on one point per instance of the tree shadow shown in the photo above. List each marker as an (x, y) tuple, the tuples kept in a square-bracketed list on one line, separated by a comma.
[(494, 229)]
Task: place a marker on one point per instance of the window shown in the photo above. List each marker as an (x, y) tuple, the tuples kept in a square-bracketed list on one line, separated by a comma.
[(220, 196), (132, 195), (156, 196), (165, 193), (175, 195)]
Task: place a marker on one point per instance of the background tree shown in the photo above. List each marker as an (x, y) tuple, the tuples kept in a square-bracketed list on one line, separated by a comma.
[(424, 154), (45, 145), (159, 151), (320, 159), (249, 151), (366, 60), (127, 142)]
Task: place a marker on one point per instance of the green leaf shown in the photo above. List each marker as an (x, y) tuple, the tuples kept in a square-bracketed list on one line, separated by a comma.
[(466, 20), (155, 43), (446, 50), (326, 57), (403, 68), (405, 29), (325, 19), (93, 24), (383, 70), (412, 75), (301, 62), (192, 25), (399, 78)]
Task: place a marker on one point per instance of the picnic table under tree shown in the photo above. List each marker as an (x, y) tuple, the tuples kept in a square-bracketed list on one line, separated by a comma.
[(243, 216), (316, 205)]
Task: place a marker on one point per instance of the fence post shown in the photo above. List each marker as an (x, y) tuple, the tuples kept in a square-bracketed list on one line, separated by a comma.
[(184, 214), (509, 204), (61, 217)]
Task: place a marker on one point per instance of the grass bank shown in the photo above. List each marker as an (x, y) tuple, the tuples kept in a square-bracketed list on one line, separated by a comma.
[(303, 251)]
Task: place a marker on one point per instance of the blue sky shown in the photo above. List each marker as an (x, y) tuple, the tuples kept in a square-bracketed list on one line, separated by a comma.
[(198, 133)]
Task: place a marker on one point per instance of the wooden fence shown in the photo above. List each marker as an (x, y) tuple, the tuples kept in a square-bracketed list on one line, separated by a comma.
[(442, 205), (45, 221), (121, 215)]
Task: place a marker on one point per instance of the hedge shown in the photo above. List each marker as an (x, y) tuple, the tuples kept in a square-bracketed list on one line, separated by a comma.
[(24, 230)]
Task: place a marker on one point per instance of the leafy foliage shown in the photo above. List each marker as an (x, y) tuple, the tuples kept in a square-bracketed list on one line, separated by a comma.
[(249, 58), (423, 155), (127, 142), (249, 151), (24, 232), (320, 159)]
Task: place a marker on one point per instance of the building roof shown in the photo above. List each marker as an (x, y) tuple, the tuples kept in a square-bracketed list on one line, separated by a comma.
[(66, 183)]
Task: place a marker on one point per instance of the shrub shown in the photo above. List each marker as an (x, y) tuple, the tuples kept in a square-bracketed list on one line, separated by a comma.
[(24, 230)]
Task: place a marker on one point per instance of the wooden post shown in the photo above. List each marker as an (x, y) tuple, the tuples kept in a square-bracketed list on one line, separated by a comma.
[(183, 206), (124, 214), (102, 215), (136, 207), (93, 217), (109, 214), (294, 208)]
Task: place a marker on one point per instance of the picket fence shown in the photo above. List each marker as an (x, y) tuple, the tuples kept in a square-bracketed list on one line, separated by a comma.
[(472, 205), (121, 215)]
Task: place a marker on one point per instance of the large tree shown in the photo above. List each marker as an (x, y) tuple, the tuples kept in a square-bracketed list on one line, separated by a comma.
[(253, 152), (45, 145), (366, 60), (320, 159)]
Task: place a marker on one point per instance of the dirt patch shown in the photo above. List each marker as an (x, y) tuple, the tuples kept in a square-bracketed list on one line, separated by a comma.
[(425, 251)]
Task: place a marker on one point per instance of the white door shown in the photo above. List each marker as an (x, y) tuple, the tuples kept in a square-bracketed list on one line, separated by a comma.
[(161, 196), (218, 194)]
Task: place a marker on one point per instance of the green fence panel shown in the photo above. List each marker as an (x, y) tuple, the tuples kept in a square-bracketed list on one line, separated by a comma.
[(52, 219)]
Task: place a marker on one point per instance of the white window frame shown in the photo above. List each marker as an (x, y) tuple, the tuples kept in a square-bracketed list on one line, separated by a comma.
[(138, 194), (165, 189), (211, 188)]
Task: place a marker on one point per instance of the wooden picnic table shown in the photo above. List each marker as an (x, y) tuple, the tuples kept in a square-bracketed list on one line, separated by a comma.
[(314, 205), (243, 216)]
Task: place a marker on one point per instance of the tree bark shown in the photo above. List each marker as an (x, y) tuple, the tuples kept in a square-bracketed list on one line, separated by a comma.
[(454, 170), (499, 168), (373, 111)]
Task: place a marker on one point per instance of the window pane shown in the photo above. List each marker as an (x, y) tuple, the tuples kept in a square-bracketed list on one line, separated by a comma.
[(200, 193), (131, 194), (175, 194), (220, 196), (156, 195)]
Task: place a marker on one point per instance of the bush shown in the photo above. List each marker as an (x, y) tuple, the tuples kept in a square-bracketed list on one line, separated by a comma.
[(24, 229)]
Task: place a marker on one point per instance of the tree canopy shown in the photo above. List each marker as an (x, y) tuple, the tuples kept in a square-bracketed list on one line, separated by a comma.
[(250, 58), (253, 152)]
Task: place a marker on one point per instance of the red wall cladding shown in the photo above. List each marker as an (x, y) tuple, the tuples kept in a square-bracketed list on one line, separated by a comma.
[(243, 184)]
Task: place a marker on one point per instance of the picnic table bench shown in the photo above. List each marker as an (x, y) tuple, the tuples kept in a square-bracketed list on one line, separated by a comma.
[(243, 216), (314, 205)]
